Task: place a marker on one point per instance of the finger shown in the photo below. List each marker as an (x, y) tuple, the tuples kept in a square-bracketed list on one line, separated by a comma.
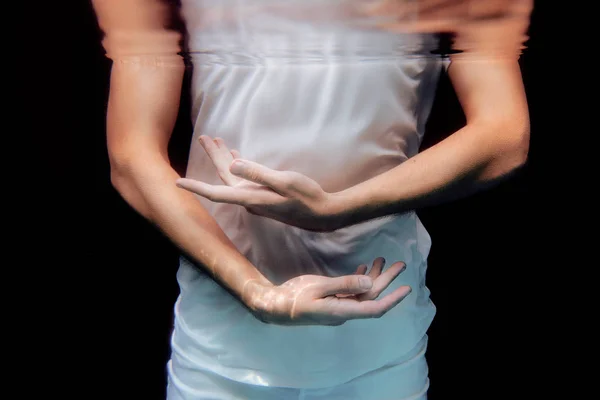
[(227, 194), (235, 154), (219, 142), (220, 156), (348, 309), (381, 282), (362, 269), (219, 194), (377, 267), (349, 284), (279, 181)]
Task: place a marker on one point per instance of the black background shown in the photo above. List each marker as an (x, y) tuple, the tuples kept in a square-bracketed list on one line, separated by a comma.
[(113, 274)]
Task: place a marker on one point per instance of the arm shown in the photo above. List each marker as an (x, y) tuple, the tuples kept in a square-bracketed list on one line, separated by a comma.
[(493, 143), (145, 89)]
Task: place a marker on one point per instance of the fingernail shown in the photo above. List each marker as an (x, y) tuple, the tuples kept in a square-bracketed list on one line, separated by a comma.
[(237, 167), (403, 268), (365, 282)]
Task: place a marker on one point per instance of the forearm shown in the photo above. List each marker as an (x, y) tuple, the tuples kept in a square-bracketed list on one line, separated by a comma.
[(473, 158), (147, 183)]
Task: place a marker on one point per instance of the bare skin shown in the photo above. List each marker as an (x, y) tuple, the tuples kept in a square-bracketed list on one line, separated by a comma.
[(145, 90), (493, 143), (143, 105), (445, 15), (297, 298)]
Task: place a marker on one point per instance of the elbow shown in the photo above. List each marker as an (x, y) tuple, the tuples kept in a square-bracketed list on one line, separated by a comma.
[(126, 165), (510, 150), (123, 180), (518, 150), (120, 172), (119, 182), (137, 177)]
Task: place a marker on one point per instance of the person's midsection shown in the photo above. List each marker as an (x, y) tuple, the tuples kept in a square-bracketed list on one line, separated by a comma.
[(338, 123)]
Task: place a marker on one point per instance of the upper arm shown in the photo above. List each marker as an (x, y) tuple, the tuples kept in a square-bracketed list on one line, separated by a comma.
[(491, 94), (146, 75), (486, 75)]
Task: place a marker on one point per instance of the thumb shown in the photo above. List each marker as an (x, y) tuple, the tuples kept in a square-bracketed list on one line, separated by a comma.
[(350, 284)]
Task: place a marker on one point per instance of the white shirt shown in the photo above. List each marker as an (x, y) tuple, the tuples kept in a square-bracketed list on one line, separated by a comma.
[(302, 85)]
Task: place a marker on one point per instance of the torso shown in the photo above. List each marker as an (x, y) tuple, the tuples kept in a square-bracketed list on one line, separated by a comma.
[(301, 87)]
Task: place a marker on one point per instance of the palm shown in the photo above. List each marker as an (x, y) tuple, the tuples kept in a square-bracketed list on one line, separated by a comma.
[(320, 300)]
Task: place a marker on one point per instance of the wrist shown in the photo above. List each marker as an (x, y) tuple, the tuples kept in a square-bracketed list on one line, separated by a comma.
[(254, 292), (358, 204), (341, 209)]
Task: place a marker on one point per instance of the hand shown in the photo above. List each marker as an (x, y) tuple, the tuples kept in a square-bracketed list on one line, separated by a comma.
[(431, 16), (319, 300), (285, 196)]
